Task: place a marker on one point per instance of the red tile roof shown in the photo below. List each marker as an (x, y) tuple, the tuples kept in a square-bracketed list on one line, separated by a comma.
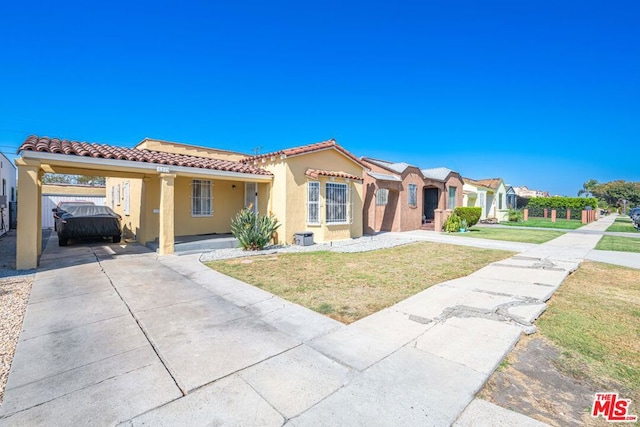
[(314, 173), (304, 149), (102, 151)]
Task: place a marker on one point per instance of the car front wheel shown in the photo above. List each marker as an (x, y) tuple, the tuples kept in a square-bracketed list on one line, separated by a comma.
[(116, 239)]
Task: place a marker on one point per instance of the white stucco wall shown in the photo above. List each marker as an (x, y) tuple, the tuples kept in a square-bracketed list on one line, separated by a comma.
[(7, 188)]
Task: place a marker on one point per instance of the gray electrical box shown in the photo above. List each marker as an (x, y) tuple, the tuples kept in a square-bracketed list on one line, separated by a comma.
[(304, 239), (3, 202)]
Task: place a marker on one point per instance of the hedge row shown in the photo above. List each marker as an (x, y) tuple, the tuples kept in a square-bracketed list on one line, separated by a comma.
[(537, 205), (472, 215)]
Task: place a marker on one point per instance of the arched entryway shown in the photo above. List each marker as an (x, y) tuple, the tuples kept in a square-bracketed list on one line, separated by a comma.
[(430, 203)]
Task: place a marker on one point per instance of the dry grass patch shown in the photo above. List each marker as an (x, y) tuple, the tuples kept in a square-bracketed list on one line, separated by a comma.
[(594, 319), (350, 286)]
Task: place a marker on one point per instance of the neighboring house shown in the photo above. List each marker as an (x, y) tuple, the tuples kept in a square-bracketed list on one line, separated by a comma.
[(316, 188), (488, 194), (403, 197), (163, 189), (54, 193), (516, 193), (7, 190), (512, 197)]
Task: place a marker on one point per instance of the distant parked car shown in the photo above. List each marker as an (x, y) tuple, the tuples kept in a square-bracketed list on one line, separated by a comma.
[(635, 217), (62, 206), (83, 221)]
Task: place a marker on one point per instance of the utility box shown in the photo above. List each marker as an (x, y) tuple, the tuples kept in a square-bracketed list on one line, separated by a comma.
[(304, 239)]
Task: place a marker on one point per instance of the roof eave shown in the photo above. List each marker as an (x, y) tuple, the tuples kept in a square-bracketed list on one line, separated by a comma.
[(98, 163)]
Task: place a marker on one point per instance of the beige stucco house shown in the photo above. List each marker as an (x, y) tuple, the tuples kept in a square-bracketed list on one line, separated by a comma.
[(403, 197), (163, 189), (488, 194), (316, 188)]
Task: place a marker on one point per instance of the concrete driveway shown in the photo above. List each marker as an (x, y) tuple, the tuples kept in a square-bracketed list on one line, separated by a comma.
[(114, 334)]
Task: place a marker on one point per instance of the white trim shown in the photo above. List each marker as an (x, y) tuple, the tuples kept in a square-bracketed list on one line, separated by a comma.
[(126, 190), (210, 186), (140, 167), (315, 202), (329, 205)]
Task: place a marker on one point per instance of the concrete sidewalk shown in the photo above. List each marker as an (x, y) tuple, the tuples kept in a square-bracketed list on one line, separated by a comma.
[(115, 334)]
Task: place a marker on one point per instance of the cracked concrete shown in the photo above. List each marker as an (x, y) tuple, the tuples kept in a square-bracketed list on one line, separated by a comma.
[(129, 337)]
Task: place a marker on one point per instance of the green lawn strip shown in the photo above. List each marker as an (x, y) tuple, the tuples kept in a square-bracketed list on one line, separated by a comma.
[(623, 225), (349, 286), (594, 319), (511, 235), (619, 243), (570, 224), (623, 218), (622, 228)]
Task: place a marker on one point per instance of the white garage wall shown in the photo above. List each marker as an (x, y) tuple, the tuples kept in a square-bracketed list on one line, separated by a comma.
[(50, 201)]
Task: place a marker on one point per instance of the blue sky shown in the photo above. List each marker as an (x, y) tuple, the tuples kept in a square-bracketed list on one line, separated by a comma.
[(544, 94)]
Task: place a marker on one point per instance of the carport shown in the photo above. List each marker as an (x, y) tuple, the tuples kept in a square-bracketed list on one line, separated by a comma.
[(157, 170)]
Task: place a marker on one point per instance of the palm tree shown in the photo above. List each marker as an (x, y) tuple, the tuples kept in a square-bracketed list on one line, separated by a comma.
[(587, 188)]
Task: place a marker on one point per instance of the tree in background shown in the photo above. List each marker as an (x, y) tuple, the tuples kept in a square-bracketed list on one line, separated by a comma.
[(614, 192), (587, 188), (58, 178)]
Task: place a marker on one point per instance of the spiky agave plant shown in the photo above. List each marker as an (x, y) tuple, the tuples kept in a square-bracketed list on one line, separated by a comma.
[(253, 231)]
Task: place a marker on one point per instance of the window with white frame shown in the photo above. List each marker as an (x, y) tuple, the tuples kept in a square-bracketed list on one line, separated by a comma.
[(337, 203), (413, 195), (382, 197), (500, 201), (313, 202), (452, 198), (117, 195), (201, 198), (127, 198)]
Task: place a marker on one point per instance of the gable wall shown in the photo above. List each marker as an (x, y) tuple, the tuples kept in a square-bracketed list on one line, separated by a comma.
[(296, 190)]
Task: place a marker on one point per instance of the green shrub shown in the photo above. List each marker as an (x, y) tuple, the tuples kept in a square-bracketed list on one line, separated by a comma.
[(472, 215), (515, 215), (537, 205), (253, 231), (452, 224)]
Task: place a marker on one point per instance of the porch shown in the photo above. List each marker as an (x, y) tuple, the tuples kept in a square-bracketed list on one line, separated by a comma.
[(199, 243)]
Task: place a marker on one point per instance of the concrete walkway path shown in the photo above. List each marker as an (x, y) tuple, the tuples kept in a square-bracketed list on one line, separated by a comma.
[(114, 334)]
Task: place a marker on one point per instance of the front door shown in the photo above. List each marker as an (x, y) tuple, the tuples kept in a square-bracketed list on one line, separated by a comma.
[(430, 203), (251, 195)]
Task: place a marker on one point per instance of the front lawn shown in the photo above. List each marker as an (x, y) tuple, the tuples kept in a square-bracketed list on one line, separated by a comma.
[(622, 225), (617, 243), (511, 235), (594, 319), (350, 286), (570, 224)]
